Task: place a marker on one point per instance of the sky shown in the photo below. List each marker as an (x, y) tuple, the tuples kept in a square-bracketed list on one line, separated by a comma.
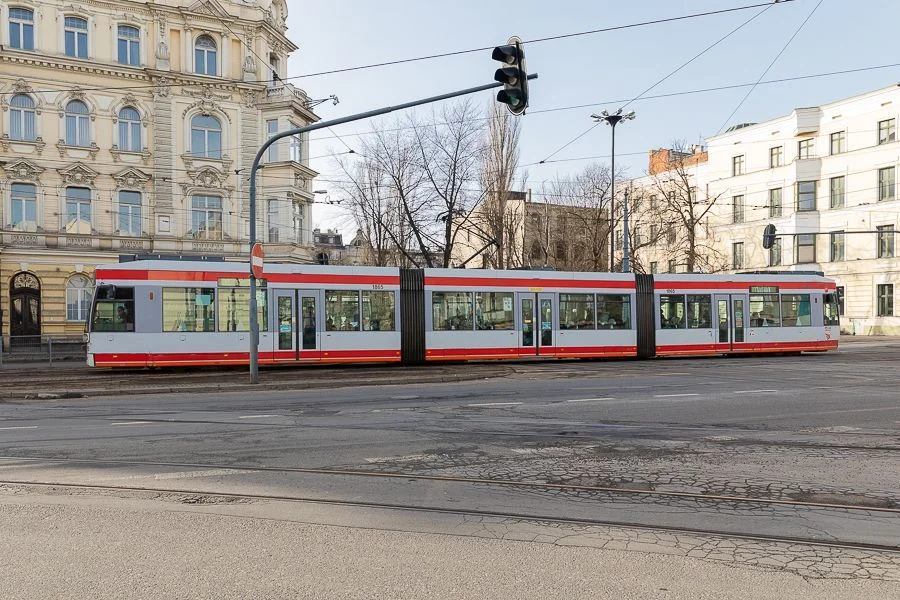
[(604, 70)]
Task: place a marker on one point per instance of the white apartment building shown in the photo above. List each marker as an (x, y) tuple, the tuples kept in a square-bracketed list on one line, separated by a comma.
[(129, 127), (825, 176)]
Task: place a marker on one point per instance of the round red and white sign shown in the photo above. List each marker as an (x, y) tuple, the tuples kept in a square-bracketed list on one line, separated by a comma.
[(256, 260)]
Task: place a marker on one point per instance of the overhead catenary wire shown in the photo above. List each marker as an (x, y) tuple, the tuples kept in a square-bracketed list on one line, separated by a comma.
[(450, 53), (771, 64)]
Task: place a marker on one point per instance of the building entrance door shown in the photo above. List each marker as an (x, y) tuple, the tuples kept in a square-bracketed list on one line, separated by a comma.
[(25, 310)]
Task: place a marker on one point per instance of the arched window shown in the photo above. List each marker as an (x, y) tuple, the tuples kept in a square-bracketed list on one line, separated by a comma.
[(206, 136), (129, 45), (23, 207), (21, 118), (205, 56), (21, 29), (78, 298), (78, 124), (76, 37), (129, 130)]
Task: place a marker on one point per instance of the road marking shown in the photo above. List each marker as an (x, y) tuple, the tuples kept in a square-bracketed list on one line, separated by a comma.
[(256, 416), (175, 475), (20, 427), (132, 423), (496, 404), (756, 392), (405, 397), (590, 399), (661, 374), (675, 395)]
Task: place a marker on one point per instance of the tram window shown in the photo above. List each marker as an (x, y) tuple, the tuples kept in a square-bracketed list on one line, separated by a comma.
[(795, 310), (341, 310), (764, 310), (494, 310), (830, 306), (451, 311), (189, 309), (378, 311), (613, 311), (671, 310), (699, 310), (114, 309), (576, 311), (234, 309)]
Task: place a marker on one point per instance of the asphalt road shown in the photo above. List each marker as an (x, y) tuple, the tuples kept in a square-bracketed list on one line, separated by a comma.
[(703, 446)]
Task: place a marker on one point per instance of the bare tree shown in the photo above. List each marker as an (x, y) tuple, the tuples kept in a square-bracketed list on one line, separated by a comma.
[(689, 237), (449, 161), (373, 207), (500, 160)]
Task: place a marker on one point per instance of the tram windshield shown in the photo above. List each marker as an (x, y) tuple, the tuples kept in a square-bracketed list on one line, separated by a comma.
[(113, 309)]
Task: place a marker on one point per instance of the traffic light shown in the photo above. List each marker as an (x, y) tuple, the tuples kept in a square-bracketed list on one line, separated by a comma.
[(512, 75), (769, 236)]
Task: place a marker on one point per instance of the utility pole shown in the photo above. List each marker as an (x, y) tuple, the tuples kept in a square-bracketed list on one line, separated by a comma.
[(625, 247)]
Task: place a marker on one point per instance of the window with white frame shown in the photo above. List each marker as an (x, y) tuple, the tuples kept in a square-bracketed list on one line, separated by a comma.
[(296, 145), (837, 191), (887, 131), (737, 165), (737, 255), (206, 136), (205, 56), (885, 295), (130, 129), (737, 209), (272, 221), (775, 253), (206, 217), (78, 124), (298, 222), (271, 131), (886, 183), (21, 28), (76, 37), (78, 210), (775, 202), (22, 124), (23, 207), (885, 241), (130, 214), (129, 45), (837, 246), (78, 298)]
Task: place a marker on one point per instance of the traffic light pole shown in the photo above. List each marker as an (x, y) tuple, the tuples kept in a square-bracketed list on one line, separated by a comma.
[(254, 320)]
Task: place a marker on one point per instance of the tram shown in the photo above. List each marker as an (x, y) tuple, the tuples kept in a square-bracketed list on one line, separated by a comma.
[(165, 313)]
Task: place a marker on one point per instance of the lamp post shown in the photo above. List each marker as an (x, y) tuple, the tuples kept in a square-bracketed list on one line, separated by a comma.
[(612, 120)]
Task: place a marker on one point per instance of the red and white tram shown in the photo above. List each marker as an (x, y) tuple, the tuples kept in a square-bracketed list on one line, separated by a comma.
[(176, 313)]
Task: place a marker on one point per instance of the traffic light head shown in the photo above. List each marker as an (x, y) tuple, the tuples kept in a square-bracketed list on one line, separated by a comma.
[(512, 75), (768, 236)]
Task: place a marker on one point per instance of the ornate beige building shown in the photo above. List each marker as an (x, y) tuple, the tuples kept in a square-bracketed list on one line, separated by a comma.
[(129, 128)]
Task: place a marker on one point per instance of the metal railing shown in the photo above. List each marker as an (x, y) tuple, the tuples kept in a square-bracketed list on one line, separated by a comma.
[(41, 348)]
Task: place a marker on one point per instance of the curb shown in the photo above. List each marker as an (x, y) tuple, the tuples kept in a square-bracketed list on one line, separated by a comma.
[(292, 384)]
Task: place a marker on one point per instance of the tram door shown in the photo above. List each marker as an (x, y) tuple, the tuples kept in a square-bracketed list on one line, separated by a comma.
[(296, 319), (732, 317), (536, 323)]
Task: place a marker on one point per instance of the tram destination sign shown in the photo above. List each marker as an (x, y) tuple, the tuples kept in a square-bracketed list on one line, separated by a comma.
[(763, 289)]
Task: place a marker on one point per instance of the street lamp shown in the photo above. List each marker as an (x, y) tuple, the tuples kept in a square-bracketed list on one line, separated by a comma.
[(612, 120)]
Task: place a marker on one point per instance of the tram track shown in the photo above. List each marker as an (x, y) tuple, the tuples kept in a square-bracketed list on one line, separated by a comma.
[(199, 496), (397, 475)]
